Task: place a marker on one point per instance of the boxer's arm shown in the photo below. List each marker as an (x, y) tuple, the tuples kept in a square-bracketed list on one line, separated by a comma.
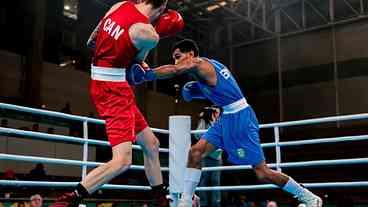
[(189, 65), (195, 65), (91, 42), (144, 38)]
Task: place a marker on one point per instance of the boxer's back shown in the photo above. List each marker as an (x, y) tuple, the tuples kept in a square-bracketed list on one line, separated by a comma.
[(226, 91), (114, 47)]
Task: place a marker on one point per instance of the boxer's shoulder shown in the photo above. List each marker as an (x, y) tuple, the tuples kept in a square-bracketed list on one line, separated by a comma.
[(114, 8), (143, 35)]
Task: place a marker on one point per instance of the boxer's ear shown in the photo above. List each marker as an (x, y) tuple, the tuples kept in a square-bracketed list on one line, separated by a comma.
[(191, 54)]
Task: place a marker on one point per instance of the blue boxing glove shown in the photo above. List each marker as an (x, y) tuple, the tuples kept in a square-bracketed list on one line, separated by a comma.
[(136, 74), (191, 90), (150, 75)]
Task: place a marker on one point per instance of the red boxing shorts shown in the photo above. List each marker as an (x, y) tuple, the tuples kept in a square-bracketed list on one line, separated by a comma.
[(115, 103)]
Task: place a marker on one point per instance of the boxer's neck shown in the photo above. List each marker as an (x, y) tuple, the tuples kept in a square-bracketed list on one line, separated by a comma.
[(147, 10)]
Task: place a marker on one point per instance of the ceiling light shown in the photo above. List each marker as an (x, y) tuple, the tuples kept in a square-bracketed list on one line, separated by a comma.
[(223, 3), (63, 65), (212, 7), (216, 6), (67, 7)]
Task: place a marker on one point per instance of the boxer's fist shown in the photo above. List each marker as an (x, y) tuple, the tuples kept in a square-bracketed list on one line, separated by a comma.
[(191, 90), (135, 74), (139, 73), (169, 24)]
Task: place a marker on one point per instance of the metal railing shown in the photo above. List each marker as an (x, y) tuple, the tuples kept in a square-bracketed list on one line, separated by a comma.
[(278, 145)]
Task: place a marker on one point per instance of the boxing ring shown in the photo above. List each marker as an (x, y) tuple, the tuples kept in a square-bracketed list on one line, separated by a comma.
[(176, 129)]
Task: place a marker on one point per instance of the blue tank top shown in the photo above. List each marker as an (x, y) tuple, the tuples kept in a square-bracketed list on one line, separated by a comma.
[(226, 90)]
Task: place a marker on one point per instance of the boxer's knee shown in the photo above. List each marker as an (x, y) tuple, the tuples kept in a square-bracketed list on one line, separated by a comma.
[(149, 143), (261, 175), (152, 147), (121, 161), (119, 165), (264, 173)]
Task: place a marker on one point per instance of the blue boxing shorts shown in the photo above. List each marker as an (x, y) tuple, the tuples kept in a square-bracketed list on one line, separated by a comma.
[(238, 134)]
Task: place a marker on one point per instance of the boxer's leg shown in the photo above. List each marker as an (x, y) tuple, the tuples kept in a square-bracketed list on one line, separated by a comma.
[(150, 145), (119, 116), (193, 171), (288, 184), (120, 162)]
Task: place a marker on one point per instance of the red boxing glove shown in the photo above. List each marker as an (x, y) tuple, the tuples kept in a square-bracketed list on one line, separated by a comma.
[(169, 24)]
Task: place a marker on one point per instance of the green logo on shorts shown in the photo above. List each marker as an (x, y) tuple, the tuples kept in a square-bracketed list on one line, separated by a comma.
[(240, 152)]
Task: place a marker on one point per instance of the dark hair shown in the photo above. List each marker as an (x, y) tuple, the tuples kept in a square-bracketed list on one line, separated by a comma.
[(186, 45), (156, 3)]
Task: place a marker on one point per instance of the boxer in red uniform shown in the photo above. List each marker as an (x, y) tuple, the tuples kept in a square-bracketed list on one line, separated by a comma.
[(124, 36)]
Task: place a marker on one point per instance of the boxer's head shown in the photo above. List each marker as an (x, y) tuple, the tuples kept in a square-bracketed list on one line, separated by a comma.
[(157, 4), (157, 7), (184, 49)]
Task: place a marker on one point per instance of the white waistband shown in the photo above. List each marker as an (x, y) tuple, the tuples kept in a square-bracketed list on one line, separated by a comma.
[(236, 106), (108, 74)]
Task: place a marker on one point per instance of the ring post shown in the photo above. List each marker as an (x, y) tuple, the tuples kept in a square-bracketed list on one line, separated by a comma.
[(85, 149), (179, 145)]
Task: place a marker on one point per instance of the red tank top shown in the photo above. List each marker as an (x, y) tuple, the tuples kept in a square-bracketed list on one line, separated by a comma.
[(114, 47)]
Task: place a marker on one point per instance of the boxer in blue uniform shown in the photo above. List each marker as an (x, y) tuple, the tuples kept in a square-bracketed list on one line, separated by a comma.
[(236, 131)]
